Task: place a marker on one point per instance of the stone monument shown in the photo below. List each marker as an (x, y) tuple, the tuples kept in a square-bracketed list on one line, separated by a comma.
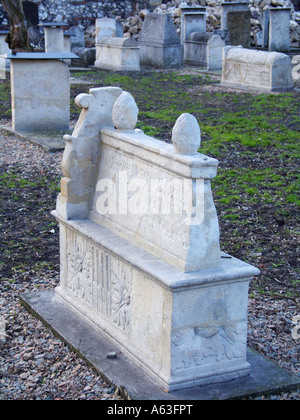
[(193, 19), (108, 28), (279, 29), (204, 49), (239, 28), (159, 43), (231, 6), (276, 29), (40, 91), (118, 54), (256, 70), (139, 246), (54, 36)]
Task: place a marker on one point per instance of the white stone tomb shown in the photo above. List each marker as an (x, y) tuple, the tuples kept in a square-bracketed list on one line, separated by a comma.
[(256, 70), (118, 54), (139, 246)]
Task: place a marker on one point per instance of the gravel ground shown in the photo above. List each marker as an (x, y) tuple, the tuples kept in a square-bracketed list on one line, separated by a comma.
[(35, 365)]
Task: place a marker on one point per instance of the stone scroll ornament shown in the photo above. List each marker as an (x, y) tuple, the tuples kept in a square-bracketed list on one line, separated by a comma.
[(82, 152)]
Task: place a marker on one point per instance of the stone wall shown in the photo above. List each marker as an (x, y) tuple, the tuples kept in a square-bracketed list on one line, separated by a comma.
[(133, 24), (132, 13), (83, 12)]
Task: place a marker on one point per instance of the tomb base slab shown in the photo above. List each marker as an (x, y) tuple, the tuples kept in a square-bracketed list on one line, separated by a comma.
[(265, 376)]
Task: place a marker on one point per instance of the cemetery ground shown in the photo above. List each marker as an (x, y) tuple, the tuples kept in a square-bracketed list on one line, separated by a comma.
[(256, 138)]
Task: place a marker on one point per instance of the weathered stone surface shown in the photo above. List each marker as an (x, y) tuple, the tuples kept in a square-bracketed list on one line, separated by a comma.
[(40, 94), (159, 43), (186, 136), (108, 28), (81, 155), (193, 19), (140, 258), (256, 70), (215, 53), (204, 49), (118, 54), (239, 28), (233, 6), (54, 39), (125, 112), (77, 35), (279, 32)]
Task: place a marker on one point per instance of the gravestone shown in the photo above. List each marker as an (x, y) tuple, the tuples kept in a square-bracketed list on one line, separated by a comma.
[(118, 54), (139, 247), (279, 29), (256, 70), (110, 28), (215, 53), (233, 6), (159, 43), (107, 27), (204, 49), (276, 29), (239, 28), (54, 36), (40, 91), (193, 19)]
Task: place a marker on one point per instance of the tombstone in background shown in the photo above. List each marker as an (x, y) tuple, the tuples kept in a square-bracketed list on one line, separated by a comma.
[(256, 70), (140, 252), (111, 28), (159, 43), (193, 19), (106, 27), (77, 39), (227, 7), (279, 29), (40, 91), (118, 54), (239, 28), (54, 36), (215, 53), (204, 49)]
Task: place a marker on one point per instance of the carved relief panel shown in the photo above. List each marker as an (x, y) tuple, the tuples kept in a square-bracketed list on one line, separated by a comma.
[(99, 279)]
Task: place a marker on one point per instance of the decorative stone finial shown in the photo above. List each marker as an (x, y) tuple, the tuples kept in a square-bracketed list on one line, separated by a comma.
[(186, 136), (125, 112)]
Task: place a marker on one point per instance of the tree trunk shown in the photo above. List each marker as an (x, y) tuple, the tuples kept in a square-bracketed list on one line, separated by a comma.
[(17, 39)]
